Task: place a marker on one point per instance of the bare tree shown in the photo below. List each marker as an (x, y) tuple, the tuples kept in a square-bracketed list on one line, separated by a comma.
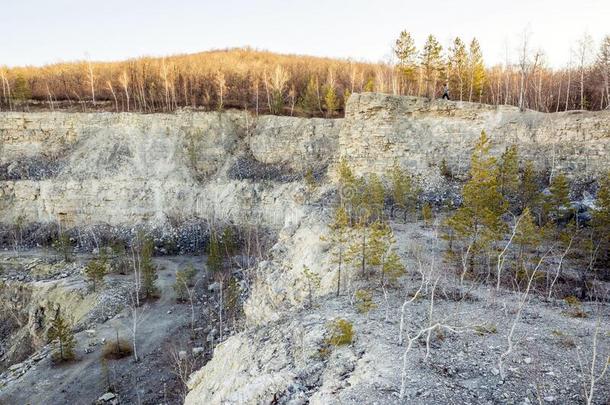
[(522, 301), (594, 377), (91, 78), (125, 84), (583, 53)]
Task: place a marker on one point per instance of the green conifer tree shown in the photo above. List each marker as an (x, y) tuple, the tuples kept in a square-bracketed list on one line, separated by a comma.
[(479, 219), (600, 222), (312, 280), (508, 174), (431, 64), (476, 70), (148, 274), (558, 199), (214, 259), (338, 238), (330, 101), (527, 239), (310, 101), (61, 334), (95, 271), (458, 69), (392, 268), (529, 191), (349, 188), (405, 52), (374, 196), (404, 192), (184, 280), (21, 90)]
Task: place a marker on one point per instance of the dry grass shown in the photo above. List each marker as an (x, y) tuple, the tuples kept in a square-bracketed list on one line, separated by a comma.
[(114, 350)]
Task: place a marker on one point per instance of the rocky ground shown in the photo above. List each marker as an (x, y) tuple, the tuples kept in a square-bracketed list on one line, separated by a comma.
[(287, 362), (164, 331)]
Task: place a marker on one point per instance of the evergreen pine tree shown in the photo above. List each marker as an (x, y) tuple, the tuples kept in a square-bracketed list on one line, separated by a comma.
[(476, 69), (21, 90), (310, 180), (529, 192), (338, 238), (458, 72), (508, 174), (313, 282), (61, 333), (357, 251), (184, 280), (558, 198), (310, 101), (479, 219), (374, 196), (148, 273), (527, 239), (349, 188), (431, 64), (403, 190), (379, 243), (405, 52), (600, 221), (330, 101), (392, 268), (96, 270), (214, 258), (346, 96), (63, 245)]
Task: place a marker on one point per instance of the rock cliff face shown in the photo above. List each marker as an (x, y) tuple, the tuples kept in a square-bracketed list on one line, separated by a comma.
[(419, 134), (126, 169), (130, 168)]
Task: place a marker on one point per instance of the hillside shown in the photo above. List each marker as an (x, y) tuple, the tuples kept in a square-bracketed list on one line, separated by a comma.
[(295, 85)]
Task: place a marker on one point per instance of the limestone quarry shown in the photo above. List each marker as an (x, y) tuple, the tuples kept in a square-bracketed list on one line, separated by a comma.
[(107, 177)]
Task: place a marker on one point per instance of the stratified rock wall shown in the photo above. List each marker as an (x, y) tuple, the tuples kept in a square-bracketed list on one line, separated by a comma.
[(127, 169), (418, 134)]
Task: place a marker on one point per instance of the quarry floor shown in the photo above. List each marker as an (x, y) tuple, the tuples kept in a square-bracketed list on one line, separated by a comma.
[(550, 362), (164, 328)]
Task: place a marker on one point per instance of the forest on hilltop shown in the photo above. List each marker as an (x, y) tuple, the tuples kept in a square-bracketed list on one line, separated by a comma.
[(266, 82)]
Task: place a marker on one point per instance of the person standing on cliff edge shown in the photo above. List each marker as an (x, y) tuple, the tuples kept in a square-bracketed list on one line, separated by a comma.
[(446, 92)]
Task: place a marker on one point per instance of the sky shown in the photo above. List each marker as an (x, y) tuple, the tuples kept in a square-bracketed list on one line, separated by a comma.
[(38, 32)]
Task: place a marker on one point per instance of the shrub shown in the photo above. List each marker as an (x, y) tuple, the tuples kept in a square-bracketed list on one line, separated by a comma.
[(341, 332), (63, 246), (364, 301), (184, 280), (310, 180), (427, 214), (445, 171), (485, 329), (61, 335), (116, 349), (575, 310)]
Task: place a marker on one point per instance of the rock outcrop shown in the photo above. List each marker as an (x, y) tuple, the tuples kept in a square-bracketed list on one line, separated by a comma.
[(126, 169), (419, 134)]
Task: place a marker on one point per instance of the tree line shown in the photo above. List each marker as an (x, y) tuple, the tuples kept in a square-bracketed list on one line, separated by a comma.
[(269, 83)]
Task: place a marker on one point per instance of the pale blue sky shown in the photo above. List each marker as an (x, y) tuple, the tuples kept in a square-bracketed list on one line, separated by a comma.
[(45, 31)]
